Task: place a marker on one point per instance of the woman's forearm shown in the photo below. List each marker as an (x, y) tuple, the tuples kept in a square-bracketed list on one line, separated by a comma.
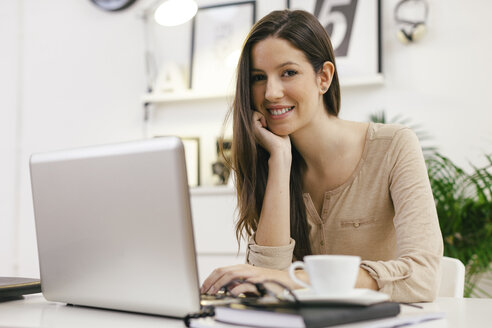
[(364, 280), (274, 223)]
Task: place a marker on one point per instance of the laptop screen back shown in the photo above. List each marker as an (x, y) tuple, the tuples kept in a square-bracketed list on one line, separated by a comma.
[(114, 227)]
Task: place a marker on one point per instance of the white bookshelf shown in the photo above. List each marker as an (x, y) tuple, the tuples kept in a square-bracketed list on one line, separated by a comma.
[(181, 96), (191, 95)]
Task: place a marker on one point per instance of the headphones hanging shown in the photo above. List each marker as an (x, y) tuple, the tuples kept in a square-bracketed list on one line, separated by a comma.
[(415, 29)]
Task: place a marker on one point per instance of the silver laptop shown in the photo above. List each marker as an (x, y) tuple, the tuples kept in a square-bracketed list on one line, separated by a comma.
[(114, 227)]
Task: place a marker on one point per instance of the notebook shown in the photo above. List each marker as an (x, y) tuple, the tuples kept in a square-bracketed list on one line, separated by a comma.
[(15, 287), (114, 227), (312, 316)]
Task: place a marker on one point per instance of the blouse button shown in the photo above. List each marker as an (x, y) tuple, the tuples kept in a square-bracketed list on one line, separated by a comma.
[(322, 243), (356, 224)]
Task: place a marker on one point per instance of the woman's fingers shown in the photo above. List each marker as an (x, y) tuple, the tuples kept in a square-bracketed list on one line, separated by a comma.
[(262, 135), (225, 275), (222, 276), (266, 138), (211, 280), (224, 280), (243, 288), (263, 121), (259, 117)]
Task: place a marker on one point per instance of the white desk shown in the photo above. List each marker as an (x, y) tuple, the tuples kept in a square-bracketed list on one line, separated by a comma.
[(35, 311)]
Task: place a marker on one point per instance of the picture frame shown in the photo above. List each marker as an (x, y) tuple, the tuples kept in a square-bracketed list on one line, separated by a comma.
[(218, 32), (354, 27), (220, 168), (192, 155)]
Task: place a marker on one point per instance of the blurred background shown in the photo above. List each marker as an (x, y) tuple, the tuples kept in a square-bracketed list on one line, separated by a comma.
[(73, 74)]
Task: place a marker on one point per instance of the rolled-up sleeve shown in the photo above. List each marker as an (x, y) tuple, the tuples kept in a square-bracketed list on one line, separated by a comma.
[(414, 275), (271, 257)]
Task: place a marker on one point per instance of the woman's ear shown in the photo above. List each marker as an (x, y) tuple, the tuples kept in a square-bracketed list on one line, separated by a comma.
[(325, 76)]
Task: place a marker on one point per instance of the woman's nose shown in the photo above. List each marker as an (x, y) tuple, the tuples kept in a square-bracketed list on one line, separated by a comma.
[(274, 90)]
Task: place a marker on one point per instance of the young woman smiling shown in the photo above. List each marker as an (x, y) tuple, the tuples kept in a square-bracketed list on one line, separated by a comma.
[(309, 182)]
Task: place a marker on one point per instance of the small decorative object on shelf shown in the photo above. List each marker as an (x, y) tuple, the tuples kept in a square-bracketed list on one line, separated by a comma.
[(171, 79), (220, 169)]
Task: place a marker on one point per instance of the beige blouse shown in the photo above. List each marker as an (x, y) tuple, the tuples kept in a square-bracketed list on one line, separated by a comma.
[(385, 213)]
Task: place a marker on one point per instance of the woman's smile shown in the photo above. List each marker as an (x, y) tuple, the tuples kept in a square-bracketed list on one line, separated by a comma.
[(279, 111)]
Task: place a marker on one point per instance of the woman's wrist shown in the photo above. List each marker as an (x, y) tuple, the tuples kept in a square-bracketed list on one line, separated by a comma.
[(280, 159), (364, 280), (301, 275)]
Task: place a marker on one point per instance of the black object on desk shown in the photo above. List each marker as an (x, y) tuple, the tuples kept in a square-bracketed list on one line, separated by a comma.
[(314, 316), (15, 287)]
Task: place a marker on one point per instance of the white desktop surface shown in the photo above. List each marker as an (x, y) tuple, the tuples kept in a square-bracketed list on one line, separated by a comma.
[(35, 311)]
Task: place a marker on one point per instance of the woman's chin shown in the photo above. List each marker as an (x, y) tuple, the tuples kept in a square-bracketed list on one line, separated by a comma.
[(280, 131)]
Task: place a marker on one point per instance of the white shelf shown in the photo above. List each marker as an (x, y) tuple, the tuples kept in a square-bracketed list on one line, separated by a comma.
[(187, 95), (212, 190), (350, 82), (190, 95)]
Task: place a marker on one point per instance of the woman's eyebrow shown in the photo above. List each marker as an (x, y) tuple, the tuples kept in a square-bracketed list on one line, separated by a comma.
[(277, 67), (286, 64)]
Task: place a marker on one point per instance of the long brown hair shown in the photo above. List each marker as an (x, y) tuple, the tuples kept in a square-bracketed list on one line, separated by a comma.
[(249, 160)]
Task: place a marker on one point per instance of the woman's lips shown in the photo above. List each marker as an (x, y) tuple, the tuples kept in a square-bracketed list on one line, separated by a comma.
[(278, 111)]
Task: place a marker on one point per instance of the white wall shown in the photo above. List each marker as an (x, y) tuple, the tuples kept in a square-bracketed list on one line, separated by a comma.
[(82, 75), (442, 82), (80, 84), (9, 77)]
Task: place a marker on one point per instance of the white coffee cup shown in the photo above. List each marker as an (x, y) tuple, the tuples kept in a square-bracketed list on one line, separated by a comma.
[(328, 274)]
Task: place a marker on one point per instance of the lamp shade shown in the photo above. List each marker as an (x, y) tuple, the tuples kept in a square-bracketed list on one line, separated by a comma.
[(175, 12)]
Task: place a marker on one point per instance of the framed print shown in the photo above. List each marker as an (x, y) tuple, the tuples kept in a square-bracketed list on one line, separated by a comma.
[(192, 154), (220, 167), (355, 31), (218, 33)]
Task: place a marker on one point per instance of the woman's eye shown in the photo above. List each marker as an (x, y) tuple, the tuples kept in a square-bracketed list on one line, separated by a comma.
[(257, 77), (288, 73)]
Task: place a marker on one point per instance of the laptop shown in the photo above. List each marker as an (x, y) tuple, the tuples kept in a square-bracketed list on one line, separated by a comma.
[(114, 227)]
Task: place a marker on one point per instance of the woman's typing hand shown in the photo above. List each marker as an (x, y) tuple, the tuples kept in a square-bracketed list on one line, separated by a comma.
[(224, 275)]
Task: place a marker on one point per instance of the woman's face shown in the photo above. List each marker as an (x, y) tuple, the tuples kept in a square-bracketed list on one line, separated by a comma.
[(285, 88)]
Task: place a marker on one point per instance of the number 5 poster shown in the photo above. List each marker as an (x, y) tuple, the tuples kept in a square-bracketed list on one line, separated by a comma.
[(354, 29)]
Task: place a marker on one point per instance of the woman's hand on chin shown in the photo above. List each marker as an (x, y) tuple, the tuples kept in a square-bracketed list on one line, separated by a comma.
[(272, 143), (222, 276)]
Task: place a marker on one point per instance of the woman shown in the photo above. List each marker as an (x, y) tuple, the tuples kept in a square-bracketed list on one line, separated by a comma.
[(311, 183)]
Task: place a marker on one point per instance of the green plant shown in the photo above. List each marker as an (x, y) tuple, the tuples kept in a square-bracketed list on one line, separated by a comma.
[(464, 207)]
